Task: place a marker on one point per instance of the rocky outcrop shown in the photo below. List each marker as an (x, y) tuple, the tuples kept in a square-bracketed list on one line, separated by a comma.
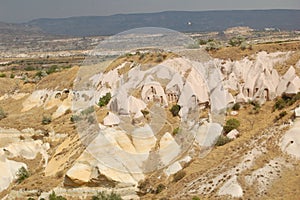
[(49, 99), (290, 142)]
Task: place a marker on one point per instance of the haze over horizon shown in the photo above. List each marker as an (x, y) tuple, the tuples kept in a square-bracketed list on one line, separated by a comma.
[(15, 11)]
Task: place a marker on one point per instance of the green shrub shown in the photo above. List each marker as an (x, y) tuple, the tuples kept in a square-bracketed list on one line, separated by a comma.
[(12, 76), (236, 41), (105, 196), (176, 131), (202, 42), (22, 174), (91, 119), (46, 120), (145, 112), (256, 107), (231, 124), (2, 114), (53, 196), (179, 175), (103, 101), (29, 68), (212, 45), (222, 140), (175, 110), (39, 74), (236, 107), (160, 188), (280, 116), (52, 69), (279, 104), (74, 118), (195, 198), (88, 111), (2, 75)]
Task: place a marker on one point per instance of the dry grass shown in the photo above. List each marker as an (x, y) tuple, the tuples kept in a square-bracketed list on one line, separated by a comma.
[(152, 58), (292, 61), (59, 81), (235, 53)]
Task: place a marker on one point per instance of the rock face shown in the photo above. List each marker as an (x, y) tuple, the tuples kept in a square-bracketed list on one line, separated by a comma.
[(233, 134), (123, 151), (257, 79), (290, 142), (231, 187), (297, 112), (8, 170), (49, 99), (11, 147)]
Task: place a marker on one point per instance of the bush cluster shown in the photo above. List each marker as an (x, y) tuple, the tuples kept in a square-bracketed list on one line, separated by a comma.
[(286, 100), (236, 107), (160, 188), (175, 110), (46, 120), (53, 196), (105, 196), (22, 174), (222, 140), (231, 124), (3, 114), (179, 175), (103, 101)]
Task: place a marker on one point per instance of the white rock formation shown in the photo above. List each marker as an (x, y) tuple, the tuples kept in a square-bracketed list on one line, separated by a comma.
[(297, 112), (49, 99), (8, 169), (233, 134), (169, 149), (290, 143), (173, 169), (231, 187), (28, 149), (111, 120)]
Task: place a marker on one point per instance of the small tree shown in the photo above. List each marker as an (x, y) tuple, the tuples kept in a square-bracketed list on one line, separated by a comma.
[(105, 196), (231, 124), (22, 174), (236, 106), (2, 114), (53, 196), (279, 104), (175, 110), (46, 120), (222, 140), (160, 188), (176, 131), (103, 101), (179, 175)]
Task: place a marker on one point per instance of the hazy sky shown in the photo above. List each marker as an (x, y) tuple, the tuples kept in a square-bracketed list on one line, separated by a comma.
[(25, 10)]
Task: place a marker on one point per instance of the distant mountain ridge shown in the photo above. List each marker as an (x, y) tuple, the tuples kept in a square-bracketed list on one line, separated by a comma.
[(176, 20)]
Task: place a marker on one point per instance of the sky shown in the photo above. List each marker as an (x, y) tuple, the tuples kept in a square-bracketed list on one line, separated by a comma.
[(26, 10)]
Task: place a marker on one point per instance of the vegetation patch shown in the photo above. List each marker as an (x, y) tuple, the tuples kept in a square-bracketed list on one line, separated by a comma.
[(179, 175), (106, 196), (53, 196), (175, 110), (46, 120), (236, 107), (22, 174), (222, 140), (231, 124), (103, 101), (286, 100), (3, 114)]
